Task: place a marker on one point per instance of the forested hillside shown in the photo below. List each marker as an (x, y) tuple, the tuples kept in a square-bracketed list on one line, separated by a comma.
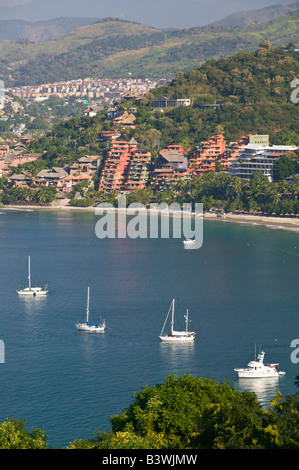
[(115, 48), (253, 90)]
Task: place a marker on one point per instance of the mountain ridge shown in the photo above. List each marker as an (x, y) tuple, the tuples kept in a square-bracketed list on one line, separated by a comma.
[(54, 28), (114, 48), (38, 31), (260, 15), (152, 13)]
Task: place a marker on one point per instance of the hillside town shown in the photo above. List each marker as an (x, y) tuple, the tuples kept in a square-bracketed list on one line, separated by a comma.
[(102, 90), (35, 108)]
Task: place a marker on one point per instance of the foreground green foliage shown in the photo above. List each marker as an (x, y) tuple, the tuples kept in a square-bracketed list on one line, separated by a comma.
[(198, 413), (184, 413), (13, 435)]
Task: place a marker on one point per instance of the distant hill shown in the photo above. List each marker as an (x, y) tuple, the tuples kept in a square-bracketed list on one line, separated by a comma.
[(15, 30), (114, 48), (261, 15)]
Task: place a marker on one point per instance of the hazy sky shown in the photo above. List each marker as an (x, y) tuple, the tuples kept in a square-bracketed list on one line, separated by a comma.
[(157, 13)]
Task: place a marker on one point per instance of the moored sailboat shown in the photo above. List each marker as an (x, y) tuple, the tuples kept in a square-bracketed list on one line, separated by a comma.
[(87, 325), (174, 334), (32, 290)]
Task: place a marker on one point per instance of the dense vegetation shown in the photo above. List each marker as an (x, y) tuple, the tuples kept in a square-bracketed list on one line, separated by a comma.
[(253, 88), (115, 48), (184, 413)]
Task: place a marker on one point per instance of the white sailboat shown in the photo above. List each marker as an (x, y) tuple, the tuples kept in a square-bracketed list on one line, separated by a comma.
[(87, 326), (176, 335), (32, 290), (257, 369)]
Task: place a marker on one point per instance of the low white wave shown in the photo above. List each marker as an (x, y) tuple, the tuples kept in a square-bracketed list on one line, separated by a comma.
[(282, 227), (20, 210)]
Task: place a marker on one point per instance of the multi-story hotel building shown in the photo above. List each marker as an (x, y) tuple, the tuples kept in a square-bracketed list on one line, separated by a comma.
[(125, 168), (256, 157), (138, 170)]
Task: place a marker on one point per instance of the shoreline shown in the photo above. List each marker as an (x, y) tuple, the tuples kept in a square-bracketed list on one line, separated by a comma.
[(278, 222), (270, 221)]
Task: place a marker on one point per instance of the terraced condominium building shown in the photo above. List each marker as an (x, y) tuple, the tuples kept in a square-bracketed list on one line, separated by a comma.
[(125, 168)]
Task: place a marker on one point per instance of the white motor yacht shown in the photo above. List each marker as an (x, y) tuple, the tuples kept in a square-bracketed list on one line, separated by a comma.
[(257, 369)]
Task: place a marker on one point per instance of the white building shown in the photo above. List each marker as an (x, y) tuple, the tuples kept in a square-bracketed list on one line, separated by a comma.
[(256, 157), (165, 102)]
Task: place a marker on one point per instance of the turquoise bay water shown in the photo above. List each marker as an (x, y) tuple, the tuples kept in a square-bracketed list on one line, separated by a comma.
[(241, 289)]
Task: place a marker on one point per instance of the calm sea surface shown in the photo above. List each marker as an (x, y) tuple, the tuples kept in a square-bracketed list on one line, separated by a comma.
[(241, 289)]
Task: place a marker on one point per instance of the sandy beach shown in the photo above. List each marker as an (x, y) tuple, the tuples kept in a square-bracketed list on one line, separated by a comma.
[(275, 222), (283, 222)]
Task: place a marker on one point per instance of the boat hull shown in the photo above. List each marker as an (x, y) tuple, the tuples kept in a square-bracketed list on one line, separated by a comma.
[(32, 292), (244, 374), (91, 328), (176, 339)]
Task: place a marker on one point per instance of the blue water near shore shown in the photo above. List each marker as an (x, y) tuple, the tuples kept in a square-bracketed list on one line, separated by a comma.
[(241, 289)]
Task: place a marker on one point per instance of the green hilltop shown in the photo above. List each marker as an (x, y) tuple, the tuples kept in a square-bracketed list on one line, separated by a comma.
[(253, 90), (113, 48)]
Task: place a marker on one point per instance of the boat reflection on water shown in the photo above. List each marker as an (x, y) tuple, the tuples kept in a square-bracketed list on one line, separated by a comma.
[(177, 356), (265, 389), (33, 304)]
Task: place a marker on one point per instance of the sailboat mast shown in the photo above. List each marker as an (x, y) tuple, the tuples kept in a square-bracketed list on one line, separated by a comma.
[(29, 273), (87, 305), (187, 321), (172, 317)]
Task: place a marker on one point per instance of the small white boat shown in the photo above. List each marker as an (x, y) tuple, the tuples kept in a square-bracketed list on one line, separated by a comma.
[(87, 326), (189, 241), (257, 369), (32, 290), (174, 335)]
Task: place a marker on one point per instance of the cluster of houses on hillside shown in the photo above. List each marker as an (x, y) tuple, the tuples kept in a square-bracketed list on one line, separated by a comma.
[(64, 179), (127, 168), (11, 157)]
